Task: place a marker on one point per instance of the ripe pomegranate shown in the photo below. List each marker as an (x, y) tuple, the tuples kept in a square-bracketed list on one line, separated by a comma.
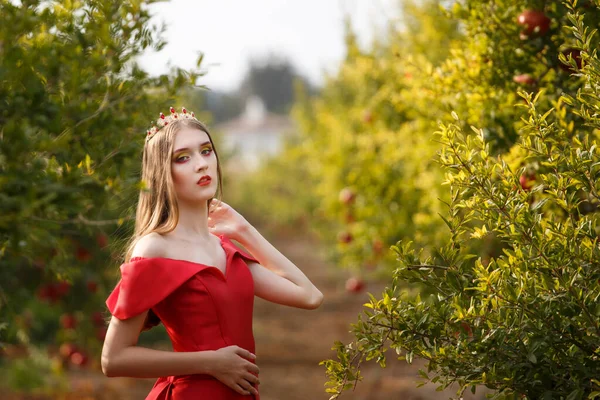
[(79, 358), (527, 182), (82, 254), (524, 79), (345, 237), (68, 321), (98, 318), (536, 22), (62, 288), (44, 292), (102, 240), (67, 349), (49, 292), (355, 285), (347, 195), (92, 286), (377, 246)]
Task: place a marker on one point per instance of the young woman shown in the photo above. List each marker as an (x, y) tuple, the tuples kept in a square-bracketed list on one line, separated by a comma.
[(182, 269)]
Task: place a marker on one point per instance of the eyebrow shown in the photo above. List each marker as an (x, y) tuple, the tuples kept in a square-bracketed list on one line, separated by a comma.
[(185, 148)]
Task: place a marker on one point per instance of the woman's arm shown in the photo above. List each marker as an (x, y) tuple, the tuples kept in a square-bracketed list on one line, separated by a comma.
[(120, 354), (280, 281), (122, 357)]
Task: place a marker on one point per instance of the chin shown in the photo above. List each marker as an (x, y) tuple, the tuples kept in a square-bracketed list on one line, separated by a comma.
[(197, 199)]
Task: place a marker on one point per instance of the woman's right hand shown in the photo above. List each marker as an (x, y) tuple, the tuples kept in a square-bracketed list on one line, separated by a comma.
[(234, 370)]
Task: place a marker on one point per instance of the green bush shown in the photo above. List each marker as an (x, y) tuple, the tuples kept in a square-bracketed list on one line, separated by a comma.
[(75, 107), (523, 319)]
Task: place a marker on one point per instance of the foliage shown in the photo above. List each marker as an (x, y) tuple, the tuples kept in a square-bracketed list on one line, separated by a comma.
[(75, 107), (367, 133), (520, 316)]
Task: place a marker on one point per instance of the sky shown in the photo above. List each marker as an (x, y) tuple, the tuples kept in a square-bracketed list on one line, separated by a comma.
[(310, 33)]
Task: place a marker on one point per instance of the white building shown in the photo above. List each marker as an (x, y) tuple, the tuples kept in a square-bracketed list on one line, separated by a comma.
[(253, 135)]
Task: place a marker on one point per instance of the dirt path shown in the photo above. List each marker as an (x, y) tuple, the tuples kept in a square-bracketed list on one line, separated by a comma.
[(290, 343)]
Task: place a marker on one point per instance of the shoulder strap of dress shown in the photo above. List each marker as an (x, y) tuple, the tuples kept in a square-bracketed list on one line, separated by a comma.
[(234, 250)]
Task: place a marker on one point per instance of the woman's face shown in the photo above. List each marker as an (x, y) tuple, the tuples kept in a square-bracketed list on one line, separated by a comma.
[(193, 157)]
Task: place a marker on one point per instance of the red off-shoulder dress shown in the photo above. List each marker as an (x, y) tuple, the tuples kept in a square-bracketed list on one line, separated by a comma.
[(200, 307)]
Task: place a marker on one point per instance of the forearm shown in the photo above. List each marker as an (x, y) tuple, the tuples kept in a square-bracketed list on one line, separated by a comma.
[(272, 259), (142, 362)]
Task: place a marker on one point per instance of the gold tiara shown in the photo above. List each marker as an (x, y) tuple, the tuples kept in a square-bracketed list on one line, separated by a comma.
[(163, 121)]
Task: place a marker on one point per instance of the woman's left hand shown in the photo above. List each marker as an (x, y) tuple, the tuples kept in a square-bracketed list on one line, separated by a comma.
[(224, 220)]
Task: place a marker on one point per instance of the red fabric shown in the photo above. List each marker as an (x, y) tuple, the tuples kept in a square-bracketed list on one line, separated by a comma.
[(200, 307)]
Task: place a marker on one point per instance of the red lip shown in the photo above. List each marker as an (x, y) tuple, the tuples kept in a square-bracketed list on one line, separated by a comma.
[(208, 178)]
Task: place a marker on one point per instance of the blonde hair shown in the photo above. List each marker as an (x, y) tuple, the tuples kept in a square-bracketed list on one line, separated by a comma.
[(157, 209)]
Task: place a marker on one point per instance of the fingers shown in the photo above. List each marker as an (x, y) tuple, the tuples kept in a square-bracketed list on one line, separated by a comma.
[(245, 353), (244, 387), (249, 356), (218, 204), (245, 378), (253, 368), (252, 379), (240, 389)]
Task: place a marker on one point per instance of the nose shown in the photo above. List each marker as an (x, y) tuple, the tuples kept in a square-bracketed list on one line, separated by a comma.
[(201, 163)]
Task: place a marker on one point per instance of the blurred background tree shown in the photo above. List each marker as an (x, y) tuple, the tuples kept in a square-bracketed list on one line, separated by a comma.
[(272, 80), (366, 142)]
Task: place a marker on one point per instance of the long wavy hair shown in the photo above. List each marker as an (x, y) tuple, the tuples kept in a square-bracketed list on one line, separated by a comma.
[(157, 209)]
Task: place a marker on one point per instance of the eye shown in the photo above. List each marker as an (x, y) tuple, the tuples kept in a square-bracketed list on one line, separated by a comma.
[(206, 151)]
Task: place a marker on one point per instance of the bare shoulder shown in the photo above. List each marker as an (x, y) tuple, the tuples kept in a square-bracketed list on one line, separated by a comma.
[(150, 245)]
